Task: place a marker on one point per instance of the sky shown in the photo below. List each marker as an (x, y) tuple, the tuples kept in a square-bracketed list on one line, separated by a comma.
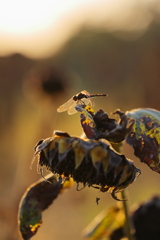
[(40, 28)]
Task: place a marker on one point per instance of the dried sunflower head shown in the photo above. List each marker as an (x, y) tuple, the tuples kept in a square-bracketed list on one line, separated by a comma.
[(90, 162)]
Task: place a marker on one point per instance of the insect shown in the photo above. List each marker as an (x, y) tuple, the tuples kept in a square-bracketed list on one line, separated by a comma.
[(97, 200), (80, 98)]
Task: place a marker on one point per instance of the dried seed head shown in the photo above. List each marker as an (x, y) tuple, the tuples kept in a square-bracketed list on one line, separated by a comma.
[(90, 162)]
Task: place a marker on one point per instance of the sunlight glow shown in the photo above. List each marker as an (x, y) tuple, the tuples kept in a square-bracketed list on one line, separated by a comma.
[(40, 28), (21, 17)]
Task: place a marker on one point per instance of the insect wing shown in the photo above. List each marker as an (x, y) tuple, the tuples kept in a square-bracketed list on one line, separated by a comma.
[(72, 109), (85, 101), (88, 101), (64, 107)]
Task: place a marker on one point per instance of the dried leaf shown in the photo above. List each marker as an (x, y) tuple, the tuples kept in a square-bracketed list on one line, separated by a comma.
[(36, 199), (145, 136), (98, 125), (87, 121)]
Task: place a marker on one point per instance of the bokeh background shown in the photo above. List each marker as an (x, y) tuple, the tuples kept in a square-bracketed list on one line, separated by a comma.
[(50, 50)]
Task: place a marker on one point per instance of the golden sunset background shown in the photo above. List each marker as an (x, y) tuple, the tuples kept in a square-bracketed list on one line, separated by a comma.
[(49, 51)]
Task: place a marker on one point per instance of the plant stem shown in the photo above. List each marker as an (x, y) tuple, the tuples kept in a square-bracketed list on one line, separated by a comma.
[(129, 229), (128, 226)]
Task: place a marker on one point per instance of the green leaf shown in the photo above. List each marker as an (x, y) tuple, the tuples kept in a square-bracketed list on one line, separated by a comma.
[(145, 136), (36, 199)]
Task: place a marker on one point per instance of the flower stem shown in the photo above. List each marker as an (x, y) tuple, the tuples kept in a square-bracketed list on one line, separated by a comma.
[(128, 226), (129, 229)]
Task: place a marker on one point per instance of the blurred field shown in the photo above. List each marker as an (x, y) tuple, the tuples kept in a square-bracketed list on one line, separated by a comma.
[(30, 92)]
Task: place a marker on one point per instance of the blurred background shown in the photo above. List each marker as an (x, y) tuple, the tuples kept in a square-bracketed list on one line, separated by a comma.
[(49, 51)]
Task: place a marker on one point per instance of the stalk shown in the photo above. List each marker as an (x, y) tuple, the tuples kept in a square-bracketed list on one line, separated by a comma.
[(128, 228), (128, 225)]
